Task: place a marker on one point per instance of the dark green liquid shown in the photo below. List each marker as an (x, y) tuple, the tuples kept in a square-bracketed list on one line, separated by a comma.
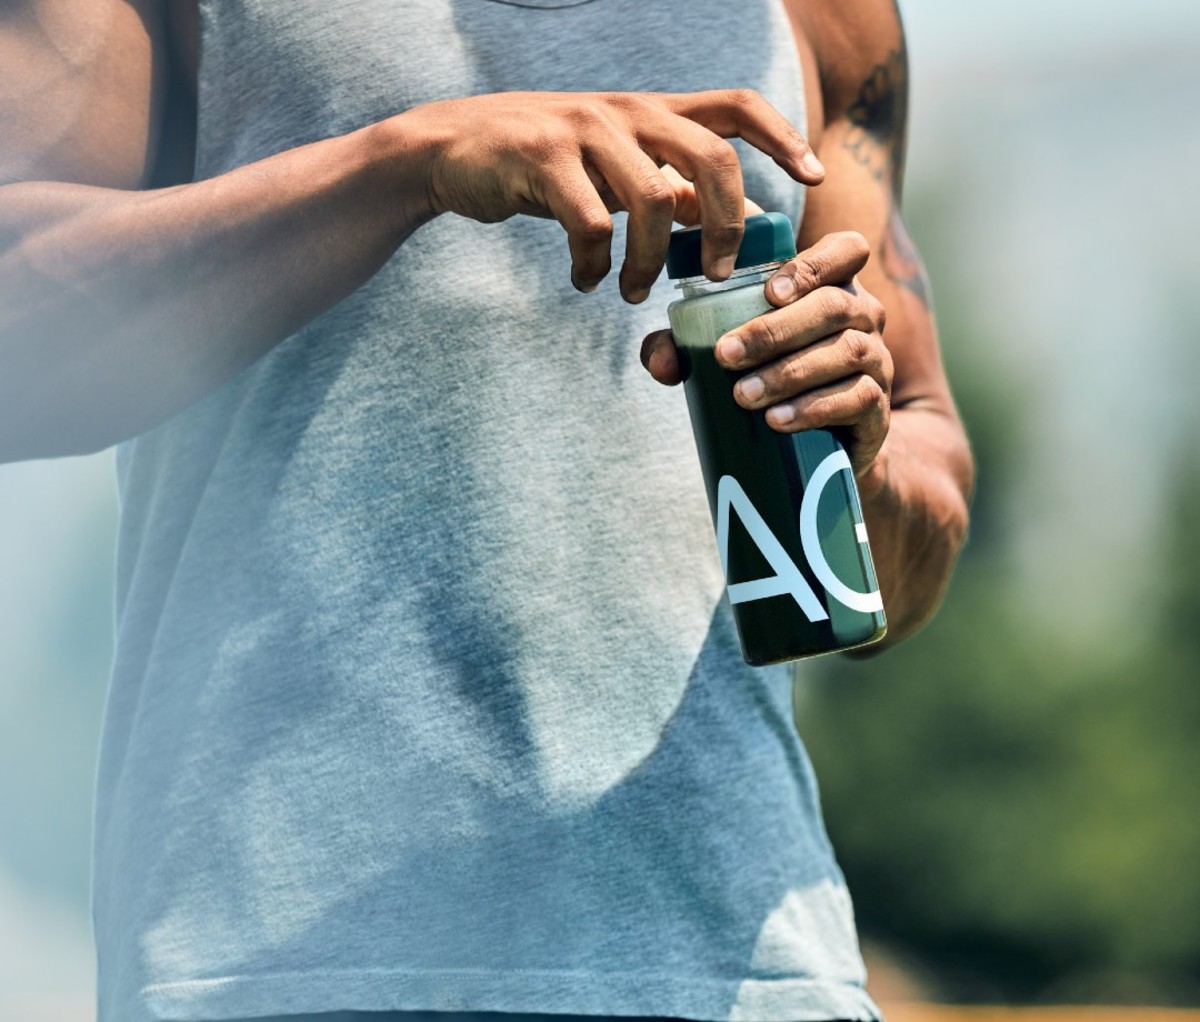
[(774, 470)]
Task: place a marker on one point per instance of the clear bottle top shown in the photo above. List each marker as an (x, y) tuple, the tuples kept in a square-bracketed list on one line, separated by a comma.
[(694, 287)]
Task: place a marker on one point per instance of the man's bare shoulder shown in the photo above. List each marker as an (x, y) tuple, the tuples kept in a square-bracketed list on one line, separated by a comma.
[(851, 40), (81, 89)]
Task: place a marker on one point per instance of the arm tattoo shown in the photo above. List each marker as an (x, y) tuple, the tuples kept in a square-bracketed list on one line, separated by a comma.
[(878, 118), (877, 138), (901, 261)]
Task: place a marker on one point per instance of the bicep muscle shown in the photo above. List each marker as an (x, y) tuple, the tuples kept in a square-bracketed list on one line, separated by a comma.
[(81, 84)]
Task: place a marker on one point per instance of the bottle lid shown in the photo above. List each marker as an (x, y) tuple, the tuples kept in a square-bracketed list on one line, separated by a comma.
[(769, 238)]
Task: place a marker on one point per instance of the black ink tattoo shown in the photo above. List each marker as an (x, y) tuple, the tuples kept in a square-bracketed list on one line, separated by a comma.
[(901, 261), (878, 118)]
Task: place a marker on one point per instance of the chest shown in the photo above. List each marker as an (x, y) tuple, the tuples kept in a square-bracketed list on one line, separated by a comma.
[(430, 48)]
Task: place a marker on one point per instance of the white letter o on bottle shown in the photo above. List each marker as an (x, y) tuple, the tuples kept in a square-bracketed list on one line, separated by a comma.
[(810, 537)]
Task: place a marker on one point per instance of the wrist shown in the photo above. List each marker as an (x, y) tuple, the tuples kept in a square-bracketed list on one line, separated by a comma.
[(402, 151), (873, 481)]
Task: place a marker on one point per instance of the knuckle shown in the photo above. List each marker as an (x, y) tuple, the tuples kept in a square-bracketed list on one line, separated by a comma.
[(656, 195), (835, 304), (806, 274), (720, 155), (869, 397), (594, 229), (745, 98), (591, 121), (859, 352), (785, 379), (772, 335), (877, 313), (542, 148), (623, 101), (887, 371), (635, 108), (856, 244)]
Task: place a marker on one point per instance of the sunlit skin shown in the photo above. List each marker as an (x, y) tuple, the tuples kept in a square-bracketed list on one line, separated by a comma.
[(128, 291)]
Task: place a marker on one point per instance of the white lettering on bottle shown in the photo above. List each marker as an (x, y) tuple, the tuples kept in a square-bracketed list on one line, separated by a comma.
[(787, 578), (810, 537)]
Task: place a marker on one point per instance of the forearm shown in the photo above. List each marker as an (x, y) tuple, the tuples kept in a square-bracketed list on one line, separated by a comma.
[(120, 308), (915, 501), (916, 485)]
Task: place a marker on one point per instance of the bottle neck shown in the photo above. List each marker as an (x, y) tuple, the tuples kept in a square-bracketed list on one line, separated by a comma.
[(693, 287)]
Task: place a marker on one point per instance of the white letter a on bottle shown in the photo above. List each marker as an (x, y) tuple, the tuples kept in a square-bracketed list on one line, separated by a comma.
[(787, 577)]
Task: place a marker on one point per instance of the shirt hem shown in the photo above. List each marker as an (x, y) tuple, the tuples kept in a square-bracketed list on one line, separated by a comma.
[(637, 995)]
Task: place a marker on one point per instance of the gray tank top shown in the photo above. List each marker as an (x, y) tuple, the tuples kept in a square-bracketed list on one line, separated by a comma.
[(425, 694)]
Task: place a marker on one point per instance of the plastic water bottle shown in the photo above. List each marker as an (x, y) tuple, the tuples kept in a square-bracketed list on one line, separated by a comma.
[(788, 518)]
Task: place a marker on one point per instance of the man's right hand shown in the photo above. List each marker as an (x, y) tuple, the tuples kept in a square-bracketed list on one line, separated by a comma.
[(120, 306), (577, 157)]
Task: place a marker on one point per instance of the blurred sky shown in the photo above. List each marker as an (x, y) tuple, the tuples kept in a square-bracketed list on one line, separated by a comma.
[(950, 33), (1066, 130)]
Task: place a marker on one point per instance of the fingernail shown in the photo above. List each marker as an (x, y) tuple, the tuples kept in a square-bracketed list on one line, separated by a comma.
[(811, 165), (723, 267), (752, 388), (781, 415), (730, 349), (783, 287), (640, 295)]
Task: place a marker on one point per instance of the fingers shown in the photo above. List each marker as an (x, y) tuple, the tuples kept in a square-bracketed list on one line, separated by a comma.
[(687, 206), (848, 354), (819, 361), (713, 167), (649, 196), (843, 381), (743, 113), (575, 203), (835, 259), (581, 156), (654, 196), (612, 165), (858, 405), (690, 131), (621, 148), (818, 314), (660, 358)]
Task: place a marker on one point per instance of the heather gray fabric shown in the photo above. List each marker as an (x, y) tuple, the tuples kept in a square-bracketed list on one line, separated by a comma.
[(445, 1016), (423, 695)]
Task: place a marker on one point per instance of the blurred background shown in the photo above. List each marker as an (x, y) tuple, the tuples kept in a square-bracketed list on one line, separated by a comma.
[(1015, 794)]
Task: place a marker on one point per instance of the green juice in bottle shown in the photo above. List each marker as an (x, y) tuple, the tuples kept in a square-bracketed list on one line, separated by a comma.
[(789, 524)]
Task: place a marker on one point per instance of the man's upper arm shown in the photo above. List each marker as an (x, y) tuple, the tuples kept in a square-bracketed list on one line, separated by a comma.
[(863, 70), (81, 90)]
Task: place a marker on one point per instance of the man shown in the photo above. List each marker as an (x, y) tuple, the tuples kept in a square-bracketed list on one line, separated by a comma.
[(425, 698)]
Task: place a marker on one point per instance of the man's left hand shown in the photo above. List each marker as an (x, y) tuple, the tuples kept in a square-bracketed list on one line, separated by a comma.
[(818, 359)]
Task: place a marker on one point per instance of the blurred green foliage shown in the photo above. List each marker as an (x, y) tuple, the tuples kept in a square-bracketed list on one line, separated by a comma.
[(1016, 806)]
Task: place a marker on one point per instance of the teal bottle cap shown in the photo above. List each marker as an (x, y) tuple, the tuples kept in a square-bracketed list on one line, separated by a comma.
[(769, 238)]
